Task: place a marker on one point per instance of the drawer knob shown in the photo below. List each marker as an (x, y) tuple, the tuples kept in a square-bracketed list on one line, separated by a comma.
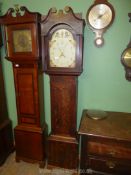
[(110, 164), (112, 153), (17, 65)]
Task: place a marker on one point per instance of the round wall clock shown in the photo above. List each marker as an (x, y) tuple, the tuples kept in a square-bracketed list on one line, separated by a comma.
[(99, 17)]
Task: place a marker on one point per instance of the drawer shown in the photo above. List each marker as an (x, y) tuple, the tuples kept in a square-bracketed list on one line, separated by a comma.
[(109, 150), (109, 165)]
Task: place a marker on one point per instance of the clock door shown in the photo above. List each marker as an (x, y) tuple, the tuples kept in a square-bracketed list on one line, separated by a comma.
[(63, 105), (22, 41), (26, 93)]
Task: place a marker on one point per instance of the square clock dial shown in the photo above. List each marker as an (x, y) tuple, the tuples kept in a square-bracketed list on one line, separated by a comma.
[(22, 41)]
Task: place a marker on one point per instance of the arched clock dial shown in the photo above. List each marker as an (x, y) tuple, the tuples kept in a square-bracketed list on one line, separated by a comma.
[(62, 49)]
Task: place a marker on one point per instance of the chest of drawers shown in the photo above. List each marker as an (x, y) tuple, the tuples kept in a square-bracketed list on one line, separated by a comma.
[(106, 144)]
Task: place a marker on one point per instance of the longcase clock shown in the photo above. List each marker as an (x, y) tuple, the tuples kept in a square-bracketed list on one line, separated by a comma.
[(22, 45), (62, 46), (6, 133)]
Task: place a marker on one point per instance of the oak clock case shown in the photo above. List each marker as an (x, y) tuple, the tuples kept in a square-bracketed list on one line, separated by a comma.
[(126, 58), (22, 41), (99, 17), (6, 132), (62, 46)]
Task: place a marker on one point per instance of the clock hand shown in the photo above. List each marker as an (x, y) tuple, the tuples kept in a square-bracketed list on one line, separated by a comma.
[(62, 54), (100, 16)]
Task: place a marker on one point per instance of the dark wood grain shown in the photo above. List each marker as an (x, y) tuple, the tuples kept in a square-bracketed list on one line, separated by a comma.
[(63, 152), (63, 105), (106, 144)]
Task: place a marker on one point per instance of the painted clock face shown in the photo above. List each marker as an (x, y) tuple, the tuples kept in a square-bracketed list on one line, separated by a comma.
[(62, 49), (22, 41)]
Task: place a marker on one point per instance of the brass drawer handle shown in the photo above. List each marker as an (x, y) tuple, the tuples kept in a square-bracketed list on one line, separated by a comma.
[(110, 164)]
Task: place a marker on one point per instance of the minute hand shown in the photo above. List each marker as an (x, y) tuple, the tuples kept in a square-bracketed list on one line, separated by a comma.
[(100, 16)]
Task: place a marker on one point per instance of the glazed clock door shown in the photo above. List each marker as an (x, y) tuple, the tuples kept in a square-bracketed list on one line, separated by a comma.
[(26, 93), (21, 41)]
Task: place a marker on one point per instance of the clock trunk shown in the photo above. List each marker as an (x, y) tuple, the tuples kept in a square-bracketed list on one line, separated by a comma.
[(63, 142)]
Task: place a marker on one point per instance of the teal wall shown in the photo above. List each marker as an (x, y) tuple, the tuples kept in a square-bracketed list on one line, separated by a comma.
[(102, 84)]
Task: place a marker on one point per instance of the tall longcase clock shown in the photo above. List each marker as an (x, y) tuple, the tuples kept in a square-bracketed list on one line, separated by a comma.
[(22, 45), (62, 54)]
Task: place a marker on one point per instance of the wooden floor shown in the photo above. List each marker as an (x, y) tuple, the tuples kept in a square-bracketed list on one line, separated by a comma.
[(11, 167)]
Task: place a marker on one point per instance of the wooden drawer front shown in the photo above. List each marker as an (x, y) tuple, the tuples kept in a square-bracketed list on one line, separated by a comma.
[(110, 150), (109, 166)]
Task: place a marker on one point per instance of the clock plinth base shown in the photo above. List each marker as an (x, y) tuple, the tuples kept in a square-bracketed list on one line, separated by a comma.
[(63, 152), (29, 144), (6, 140)]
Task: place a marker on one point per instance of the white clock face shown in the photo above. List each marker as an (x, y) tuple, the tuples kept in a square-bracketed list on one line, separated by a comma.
[(62, 49), (100, 16)]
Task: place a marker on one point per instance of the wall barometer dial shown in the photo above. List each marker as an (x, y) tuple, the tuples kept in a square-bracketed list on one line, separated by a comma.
[(99, 17)]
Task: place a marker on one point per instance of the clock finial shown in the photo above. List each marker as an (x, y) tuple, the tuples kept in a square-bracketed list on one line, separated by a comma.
[(17, 9)]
